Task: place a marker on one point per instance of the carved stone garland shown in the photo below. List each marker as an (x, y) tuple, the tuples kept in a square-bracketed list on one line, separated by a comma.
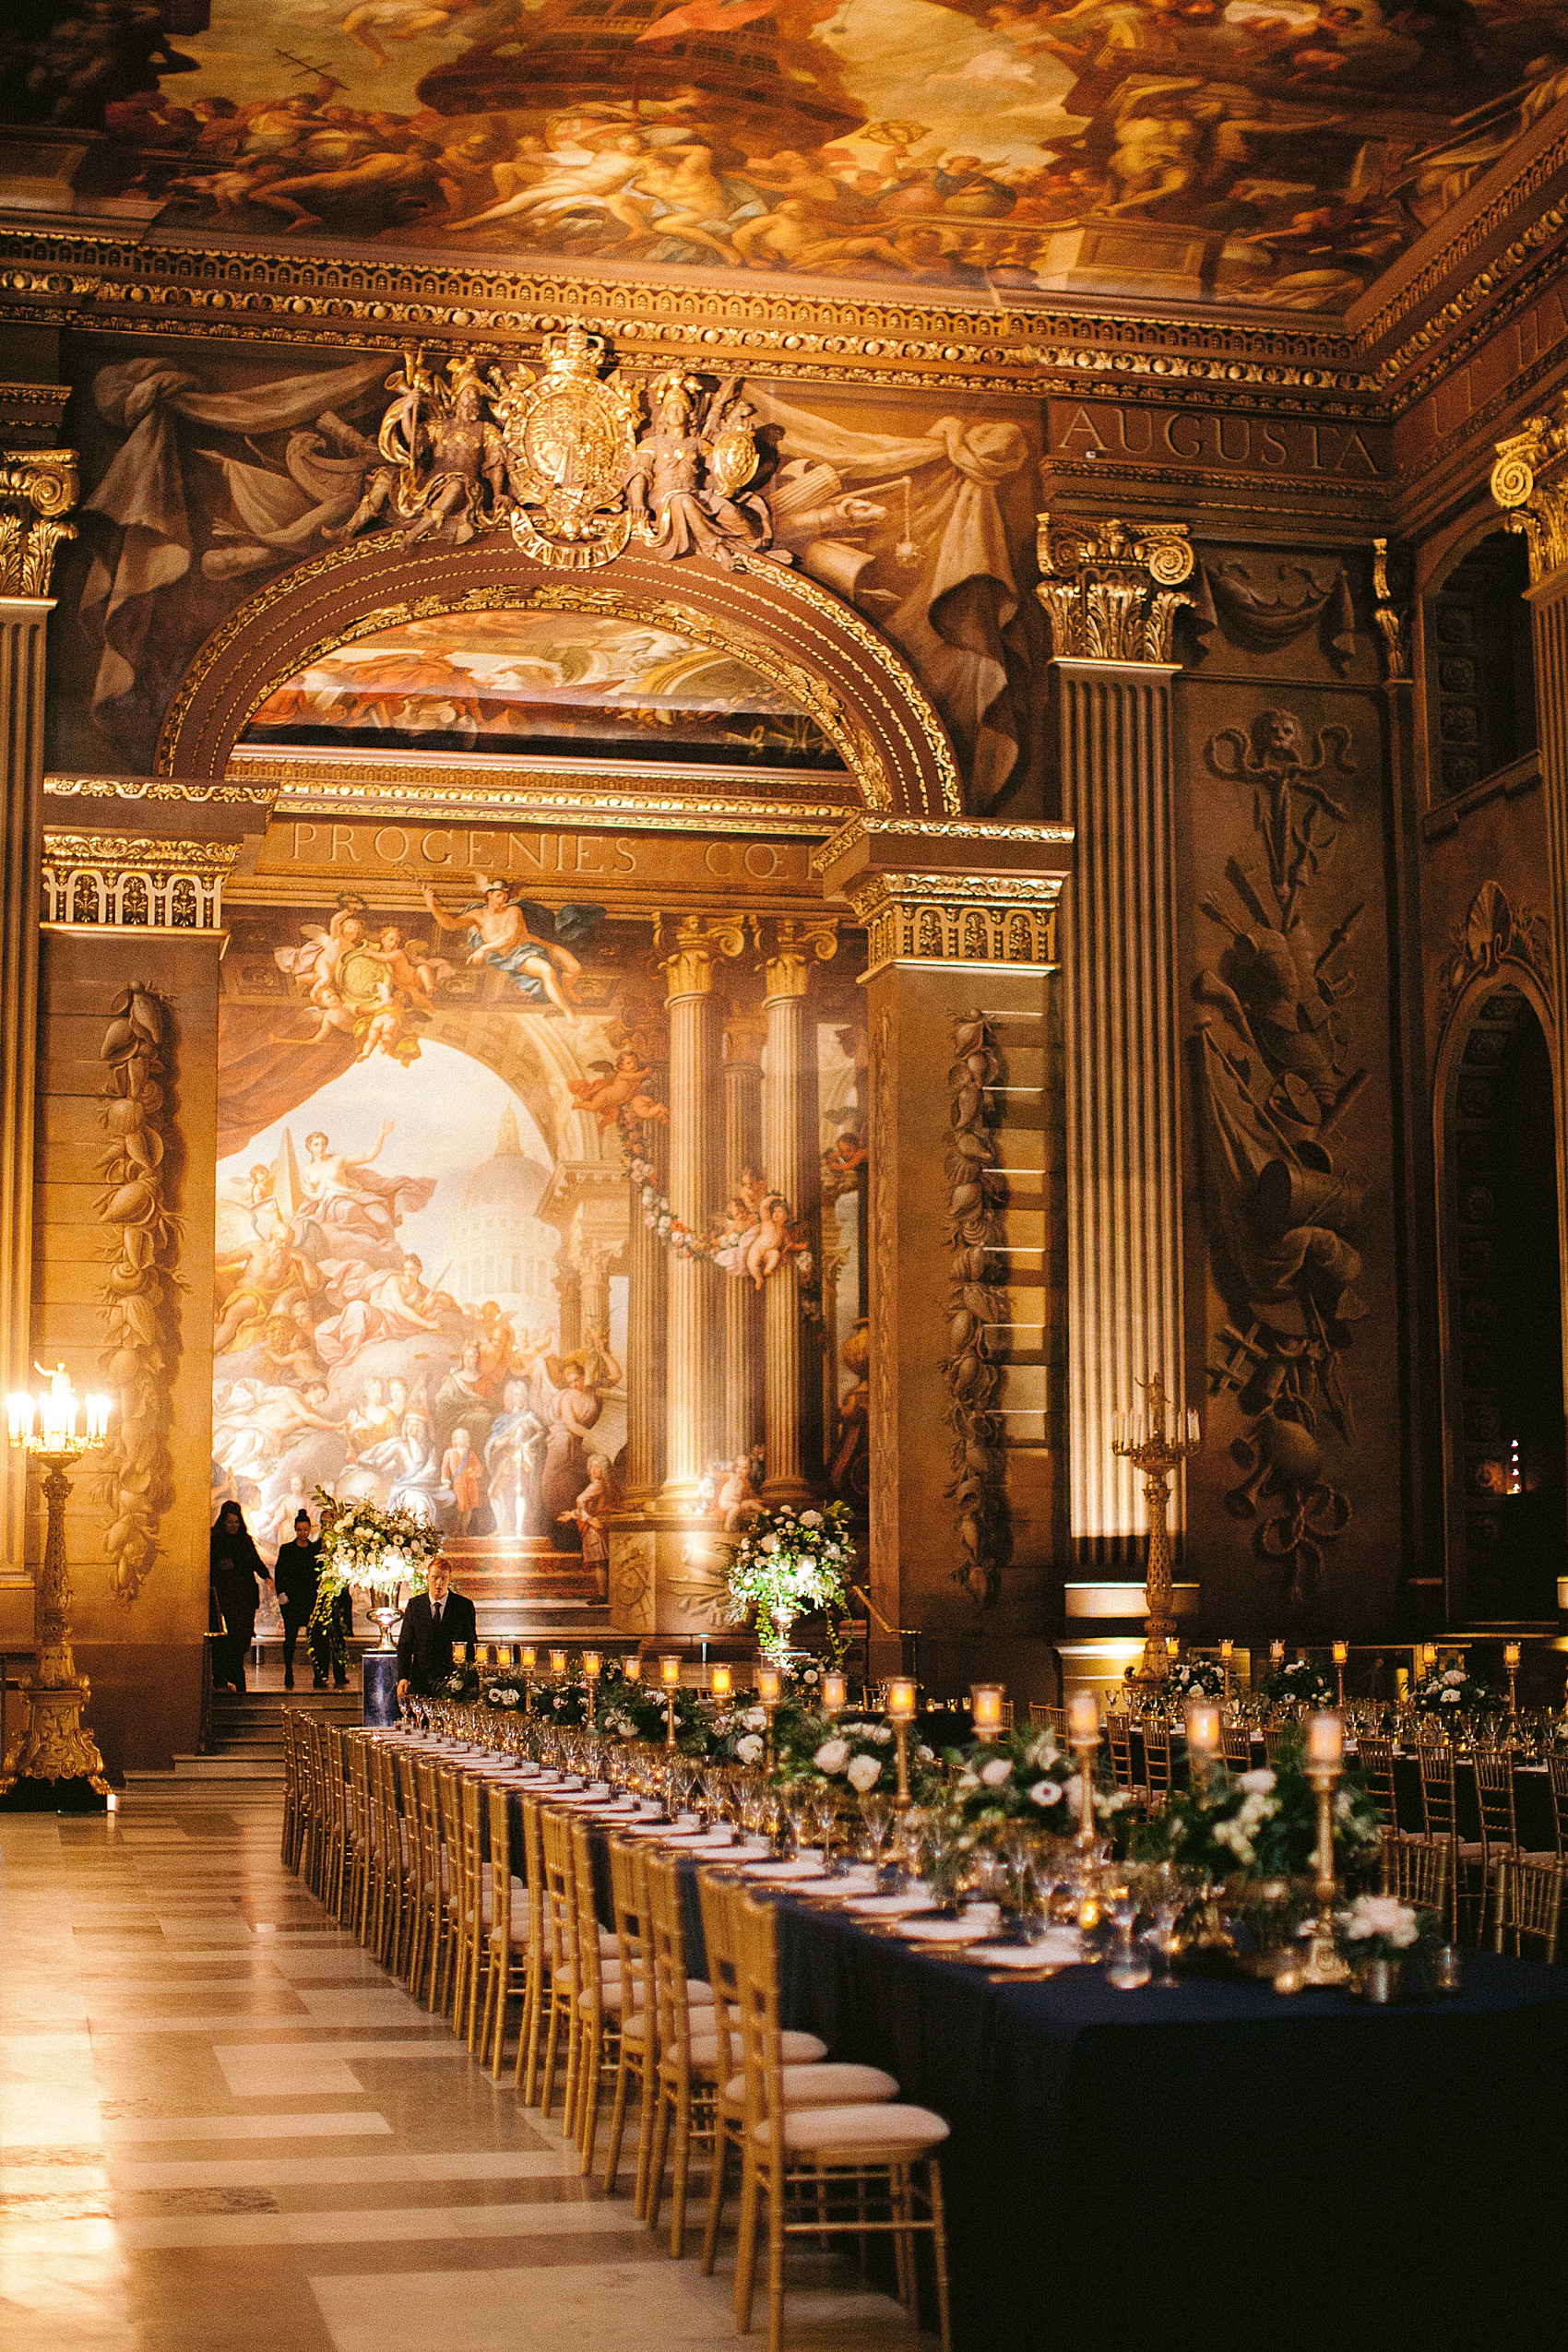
[(144, 1235), (976, 1197)]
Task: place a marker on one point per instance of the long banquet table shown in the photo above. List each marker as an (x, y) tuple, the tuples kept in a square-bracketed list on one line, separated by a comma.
[(1218, 2141)]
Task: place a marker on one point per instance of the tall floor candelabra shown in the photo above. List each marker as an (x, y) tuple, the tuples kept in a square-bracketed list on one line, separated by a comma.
[(55, 1752), (1144, 1440)]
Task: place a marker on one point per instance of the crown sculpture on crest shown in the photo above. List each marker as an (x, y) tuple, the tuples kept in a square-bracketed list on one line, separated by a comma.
[(567, 458)]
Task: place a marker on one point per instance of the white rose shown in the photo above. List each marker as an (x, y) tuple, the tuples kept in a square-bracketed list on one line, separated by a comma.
[(748, 1750), (997, 1771), (882, 1733), (1046, 1792), (811, 1518), (1451, 1698), (756, 1719), (832, 1756), (864, 1772), (768, 1543), (1257, 1784)]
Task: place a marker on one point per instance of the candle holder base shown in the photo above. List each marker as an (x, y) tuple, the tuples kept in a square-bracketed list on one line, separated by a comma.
[(1324, 1964)]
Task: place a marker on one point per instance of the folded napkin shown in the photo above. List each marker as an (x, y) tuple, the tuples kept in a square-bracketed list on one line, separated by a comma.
[(804, 1866), (890, 1906), (1062, 1950)]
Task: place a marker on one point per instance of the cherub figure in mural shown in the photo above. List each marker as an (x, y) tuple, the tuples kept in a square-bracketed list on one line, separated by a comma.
[(769, 1245), (615, 1093), (374, 21), (511, 1459), (384, 1029), (733, 1237), (504, 932), (736, 1503), (590, 1514), (694, 459), (411, 965)]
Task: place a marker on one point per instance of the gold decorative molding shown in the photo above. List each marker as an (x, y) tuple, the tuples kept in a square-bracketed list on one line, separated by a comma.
[(1391, 619), (867, 828), (133, 882), (37, 486), (1530, 481), (260, 795), (958, 918), (1112, 592), (502, 789)]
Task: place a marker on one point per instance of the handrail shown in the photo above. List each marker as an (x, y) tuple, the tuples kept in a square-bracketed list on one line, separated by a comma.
[(907, 1636)]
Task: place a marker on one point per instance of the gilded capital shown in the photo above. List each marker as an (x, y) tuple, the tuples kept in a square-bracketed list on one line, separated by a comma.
[(688, 966), (1111, 590), (786, 966), (37, 487), (1530, 481)]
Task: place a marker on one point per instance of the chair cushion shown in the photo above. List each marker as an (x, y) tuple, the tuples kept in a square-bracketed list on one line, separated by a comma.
[(796, 2050), (859, 2134), (833, 2084)]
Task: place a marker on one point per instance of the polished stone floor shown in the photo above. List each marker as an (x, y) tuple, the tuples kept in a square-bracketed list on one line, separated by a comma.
[(222, 2128)]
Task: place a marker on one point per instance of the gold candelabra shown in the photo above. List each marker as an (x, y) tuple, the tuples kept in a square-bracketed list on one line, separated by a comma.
[(1324, 1964), (55, 1745), (1145, 1439), (899, 1704), (670, 1675)]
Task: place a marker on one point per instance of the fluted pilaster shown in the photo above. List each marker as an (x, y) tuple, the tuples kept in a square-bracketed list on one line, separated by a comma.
[(648, 1313), (1112, 595), (742, 1309), (694, 1364), (792, 1165)]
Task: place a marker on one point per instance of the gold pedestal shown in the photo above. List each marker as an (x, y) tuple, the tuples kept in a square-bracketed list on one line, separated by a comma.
[(55, 1746)]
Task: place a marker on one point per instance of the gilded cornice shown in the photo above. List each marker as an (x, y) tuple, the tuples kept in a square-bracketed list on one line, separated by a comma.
[(867, 829), (135, 883), (330, 785), (957, 918), (158, 787)]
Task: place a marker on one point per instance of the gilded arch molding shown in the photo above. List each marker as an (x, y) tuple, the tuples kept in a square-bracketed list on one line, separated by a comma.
[(800, 636)]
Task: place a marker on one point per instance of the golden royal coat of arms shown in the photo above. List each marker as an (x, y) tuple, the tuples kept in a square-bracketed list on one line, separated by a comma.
[(570, 437)]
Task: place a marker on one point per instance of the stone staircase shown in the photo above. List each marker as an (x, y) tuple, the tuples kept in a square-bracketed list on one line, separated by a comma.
[(245, 1757)]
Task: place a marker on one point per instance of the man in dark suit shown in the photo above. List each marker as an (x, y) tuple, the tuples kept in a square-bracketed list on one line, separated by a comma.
[(434, 1622), (295, 1579)]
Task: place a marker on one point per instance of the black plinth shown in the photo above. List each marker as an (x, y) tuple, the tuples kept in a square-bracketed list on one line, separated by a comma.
[(79, 1796), (380, 1689)]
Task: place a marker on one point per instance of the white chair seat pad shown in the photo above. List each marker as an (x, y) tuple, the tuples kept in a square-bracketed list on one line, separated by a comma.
[(834, 2084), (858, 2133)]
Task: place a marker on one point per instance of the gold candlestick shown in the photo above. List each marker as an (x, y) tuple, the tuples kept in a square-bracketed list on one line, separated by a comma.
[(55, 1747), (1324, 1964), (1083, 1737), (899, 1702), (670, 1675), (1144, 1440), (1341, 1656)]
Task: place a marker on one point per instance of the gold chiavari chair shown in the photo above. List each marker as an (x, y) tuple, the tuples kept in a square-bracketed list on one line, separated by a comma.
[(470, 1920), (817, 2081), (1158, 1776), (449, 1823), (525, 2072), (560, 1985), (1440, 1818), (1557, 1773), (1499, 1819), (510, 1943), (1119, 1746), (1236, 1746), (878, 2160), (602, 1994), (356, 1831), (391, 1892), (1043, 1717), (1418, 1873), (312, 1800), (430, 1926), (412, 1929), (293, 1812), (637, 2058), (1375, 1760), (1274, 1736), (1529, 1909), (335, 1816)]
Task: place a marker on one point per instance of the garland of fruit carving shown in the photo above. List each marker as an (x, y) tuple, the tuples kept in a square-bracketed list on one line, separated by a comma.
[(976, 1195), (139, 1294)]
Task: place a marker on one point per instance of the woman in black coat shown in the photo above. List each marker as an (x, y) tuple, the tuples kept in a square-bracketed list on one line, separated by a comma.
[(236, 1564)]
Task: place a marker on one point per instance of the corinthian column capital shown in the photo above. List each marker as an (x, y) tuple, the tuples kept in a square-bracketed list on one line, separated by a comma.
[(786, 966), (688, 967), (1530, 481), (1111, 590), (37, 486)]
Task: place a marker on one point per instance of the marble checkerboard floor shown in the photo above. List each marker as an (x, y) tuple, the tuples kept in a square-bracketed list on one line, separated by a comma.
[(224, 2128)]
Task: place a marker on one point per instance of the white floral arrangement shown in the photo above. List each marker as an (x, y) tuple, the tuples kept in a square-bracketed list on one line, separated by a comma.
[(1194, 1677), (786, 1563), (1379, 1927), (1026, 1777), (860, 1754), (377, 1551), (1452, 1693)]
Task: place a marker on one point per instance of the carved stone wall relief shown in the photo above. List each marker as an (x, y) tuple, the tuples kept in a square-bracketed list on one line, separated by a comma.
[(143, 1239), (1275, 1068), (976, 1197)]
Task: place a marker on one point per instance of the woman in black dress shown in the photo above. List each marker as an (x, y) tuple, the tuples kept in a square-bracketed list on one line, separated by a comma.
[(236, 1565)]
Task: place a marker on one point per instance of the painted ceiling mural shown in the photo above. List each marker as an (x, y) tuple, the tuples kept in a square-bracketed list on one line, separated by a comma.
[(546, 683), (1273, 151)]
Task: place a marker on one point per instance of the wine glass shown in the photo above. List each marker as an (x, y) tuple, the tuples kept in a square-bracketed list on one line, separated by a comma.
[(876, 1816), (1164, 1890)]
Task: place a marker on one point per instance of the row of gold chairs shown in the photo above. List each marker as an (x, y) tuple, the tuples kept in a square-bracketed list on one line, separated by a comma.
[(416, 1856), (1487, 1880)]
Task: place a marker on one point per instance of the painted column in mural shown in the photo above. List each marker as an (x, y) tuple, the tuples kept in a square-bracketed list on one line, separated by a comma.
[(647, 1311), (39, 487), (792, 1155), (1530, 481), (693, 1366), (743, 1033), (1111, 596)]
